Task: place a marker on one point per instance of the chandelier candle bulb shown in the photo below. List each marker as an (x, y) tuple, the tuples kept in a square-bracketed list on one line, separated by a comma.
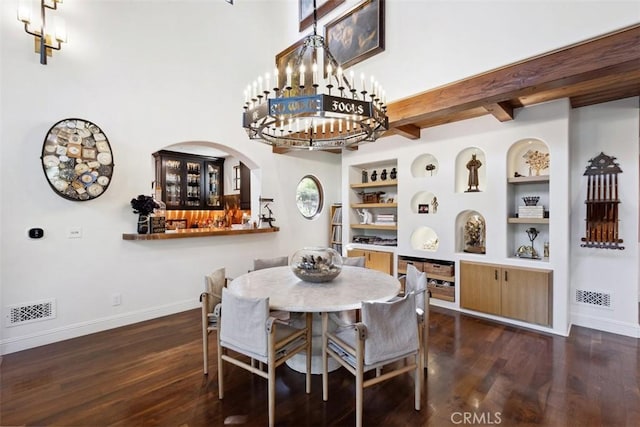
[(275, 80), (289, 77), (302, 70), (314, 68)]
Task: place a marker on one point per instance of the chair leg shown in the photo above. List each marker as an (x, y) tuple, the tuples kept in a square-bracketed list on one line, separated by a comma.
[(309, 350), (271, 379), (325, 362), (205, 336), (359, 393), (220, 369), (418, 380), (205, 350)]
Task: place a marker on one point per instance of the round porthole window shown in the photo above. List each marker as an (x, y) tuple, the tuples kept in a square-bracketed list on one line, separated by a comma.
[(309, 196)]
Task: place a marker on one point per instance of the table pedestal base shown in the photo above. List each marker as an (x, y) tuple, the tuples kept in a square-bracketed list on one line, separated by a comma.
[(299, 361)]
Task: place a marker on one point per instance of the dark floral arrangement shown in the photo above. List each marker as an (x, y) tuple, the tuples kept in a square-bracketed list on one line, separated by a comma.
[(143, 205)]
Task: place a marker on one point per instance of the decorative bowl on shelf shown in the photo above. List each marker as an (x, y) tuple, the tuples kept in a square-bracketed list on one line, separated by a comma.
[(531, 200), (316, 264)]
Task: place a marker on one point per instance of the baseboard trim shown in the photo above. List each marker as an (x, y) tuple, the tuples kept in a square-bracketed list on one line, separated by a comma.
[(606, 325), (49, 336)]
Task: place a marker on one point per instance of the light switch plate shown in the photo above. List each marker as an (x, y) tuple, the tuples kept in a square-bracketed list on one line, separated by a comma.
[(74, 233)]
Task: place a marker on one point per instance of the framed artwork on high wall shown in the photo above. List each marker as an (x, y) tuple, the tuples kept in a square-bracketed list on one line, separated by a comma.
[(305, 10), (358, 34)]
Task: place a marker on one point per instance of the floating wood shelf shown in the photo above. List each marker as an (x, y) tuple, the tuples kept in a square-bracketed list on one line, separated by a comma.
[(374, 227), (528, 220), (528, 179), (374, 205), (198, 232), (374, 184)]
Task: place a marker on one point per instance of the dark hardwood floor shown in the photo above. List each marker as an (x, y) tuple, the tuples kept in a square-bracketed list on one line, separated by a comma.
[(480, 373)]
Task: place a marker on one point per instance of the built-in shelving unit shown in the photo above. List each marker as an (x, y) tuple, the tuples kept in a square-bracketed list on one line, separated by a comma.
[(524, 180), (440, 275), (335, 227), (373, 204)]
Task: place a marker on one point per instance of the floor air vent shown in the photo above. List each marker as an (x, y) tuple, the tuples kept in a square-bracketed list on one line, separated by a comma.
[(31, 312), (599, 299)]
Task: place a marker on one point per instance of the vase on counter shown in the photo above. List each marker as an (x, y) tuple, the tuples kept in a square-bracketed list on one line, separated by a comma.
[(143, 224)]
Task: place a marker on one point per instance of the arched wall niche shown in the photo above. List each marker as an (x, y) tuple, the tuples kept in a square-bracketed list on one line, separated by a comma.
[(424, 202), (424, 239), (425, 165), (471, 232), (523, 150), (464, 157)]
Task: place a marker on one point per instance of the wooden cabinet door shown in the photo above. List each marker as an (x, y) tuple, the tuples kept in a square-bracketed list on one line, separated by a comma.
[(527, 295), (356, 252), (480, 287), (381, 261)]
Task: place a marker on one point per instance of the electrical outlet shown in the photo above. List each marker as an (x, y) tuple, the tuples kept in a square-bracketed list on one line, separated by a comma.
[(116, 299)]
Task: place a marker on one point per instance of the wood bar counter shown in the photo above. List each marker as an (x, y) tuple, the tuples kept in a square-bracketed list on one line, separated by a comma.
[(197, 232)]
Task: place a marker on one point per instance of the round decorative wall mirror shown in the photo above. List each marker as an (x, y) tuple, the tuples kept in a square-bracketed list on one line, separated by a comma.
[(77, 159), (309, 196)]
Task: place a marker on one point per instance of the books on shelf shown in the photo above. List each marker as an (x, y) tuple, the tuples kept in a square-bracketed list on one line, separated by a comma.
[(531, 211), (385, 219), (337, 216), (337, 233)]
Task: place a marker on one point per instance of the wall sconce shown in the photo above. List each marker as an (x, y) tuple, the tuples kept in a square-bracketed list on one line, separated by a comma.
[(43, 39)]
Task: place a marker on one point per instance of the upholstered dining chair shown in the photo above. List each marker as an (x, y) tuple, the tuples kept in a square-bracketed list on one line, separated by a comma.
[(416, 282), (389, 332), (261, 263), (355, 261), (246, 328), (213, 284)]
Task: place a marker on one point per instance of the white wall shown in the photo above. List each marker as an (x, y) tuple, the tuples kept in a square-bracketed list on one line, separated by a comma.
[(158, 72), (150, 78), (611, 128)]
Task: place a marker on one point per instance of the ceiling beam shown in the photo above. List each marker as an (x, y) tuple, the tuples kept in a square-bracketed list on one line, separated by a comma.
[(503, 111), (555, 73), (408, 131)]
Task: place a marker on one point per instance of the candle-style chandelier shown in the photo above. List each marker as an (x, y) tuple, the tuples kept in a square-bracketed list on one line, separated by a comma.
[(322, 114)]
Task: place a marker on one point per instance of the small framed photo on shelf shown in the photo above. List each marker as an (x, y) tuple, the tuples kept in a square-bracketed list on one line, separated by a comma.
[(423, 208), (358, 34)]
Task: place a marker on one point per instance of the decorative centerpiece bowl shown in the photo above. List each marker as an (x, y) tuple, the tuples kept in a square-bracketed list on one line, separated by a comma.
[(316, 264), (530, 200)]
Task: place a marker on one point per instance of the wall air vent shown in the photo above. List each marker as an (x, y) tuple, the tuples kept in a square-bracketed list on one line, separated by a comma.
[(593, 298), (31, 312)]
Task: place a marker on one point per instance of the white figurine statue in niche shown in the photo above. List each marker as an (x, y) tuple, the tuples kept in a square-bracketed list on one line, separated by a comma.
[(365, 216)]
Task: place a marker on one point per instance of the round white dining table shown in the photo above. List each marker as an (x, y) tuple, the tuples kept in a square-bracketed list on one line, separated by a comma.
[(287, 292), (346, 292)]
